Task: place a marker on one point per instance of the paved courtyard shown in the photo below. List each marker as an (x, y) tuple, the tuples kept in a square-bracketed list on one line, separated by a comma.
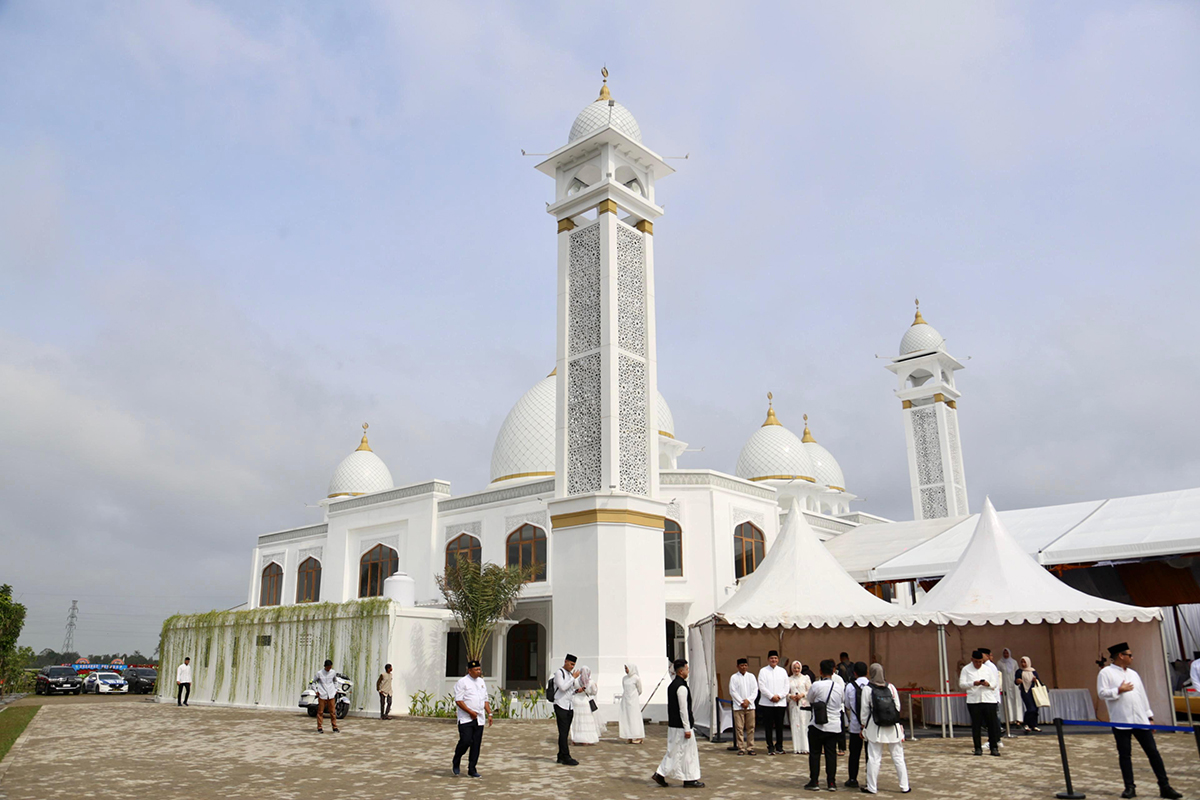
[(135, 747)]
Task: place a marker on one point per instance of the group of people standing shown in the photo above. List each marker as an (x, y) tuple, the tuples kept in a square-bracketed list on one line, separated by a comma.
[(848, 705)]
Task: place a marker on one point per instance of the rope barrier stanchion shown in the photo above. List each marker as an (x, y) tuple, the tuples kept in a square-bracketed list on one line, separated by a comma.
[(1070, 793), (912, 728)]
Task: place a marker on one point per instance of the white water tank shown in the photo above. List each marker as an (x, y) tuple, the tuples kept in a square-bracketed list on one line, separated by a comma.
[(401, 588)]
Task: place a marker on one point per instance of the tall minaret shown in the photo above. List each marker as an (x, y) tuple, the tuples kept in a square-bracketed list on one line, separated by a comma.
[(606, 563), (930, 401)]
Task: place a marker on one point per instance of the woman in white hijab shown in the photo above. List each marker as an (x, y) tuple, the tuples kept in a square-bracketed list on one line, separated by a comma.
[(632, 729), (1012, 698), (889, 734), (798, 712), (585, 727)]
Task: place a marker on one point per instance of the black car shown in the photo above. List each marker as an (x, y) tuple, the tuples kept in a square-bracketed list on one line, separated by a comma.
[(57, 679), (141, 680)]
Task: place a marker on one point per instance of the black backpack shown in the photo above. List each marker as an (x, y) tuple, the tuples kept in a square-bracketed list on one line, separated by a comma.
[(883, 707), (551, 687)]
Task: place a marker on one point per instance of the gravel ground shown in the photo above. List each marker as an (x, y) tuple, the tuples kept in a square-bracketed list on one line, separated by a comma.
[(134, 747)]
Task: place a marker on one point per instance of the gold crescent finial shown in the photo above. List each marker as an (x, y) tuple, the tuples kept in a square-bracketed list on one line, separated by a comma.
[(604, 94), (771, 418), (363, 444), (919, 320), (808, 437)]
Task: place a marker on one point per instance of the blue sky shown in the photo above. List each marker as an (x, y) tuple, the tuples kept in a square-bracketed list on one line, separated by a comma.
[(230, 233)]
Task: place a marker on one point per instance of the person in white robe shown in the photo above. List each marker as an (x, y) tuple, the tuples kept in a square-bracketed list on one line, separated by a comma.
[(585, 727), (877, 736), (1008, 667), (682, 760), (632, 729), (798, 712)]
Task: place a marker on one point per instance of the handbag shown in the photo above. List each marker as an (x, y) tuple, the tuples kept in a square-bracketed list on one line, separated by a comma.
[(592, 705), (820, 708), (1041, 695)]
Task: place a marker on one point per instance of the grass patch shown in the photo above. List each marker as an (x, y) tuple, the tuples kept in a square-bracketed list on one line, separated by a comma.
[(12, 723)]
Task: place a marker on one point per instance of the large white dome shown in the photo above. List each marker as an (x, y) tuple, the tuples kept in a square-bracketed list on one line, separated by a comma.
[(826, 469), (774, 453), (920, 336), (524, 447), (361, 472)]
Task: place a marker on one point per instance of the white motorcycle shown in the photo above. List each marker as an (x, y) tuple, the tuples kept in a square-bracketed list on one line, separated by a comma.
[(341, 703)]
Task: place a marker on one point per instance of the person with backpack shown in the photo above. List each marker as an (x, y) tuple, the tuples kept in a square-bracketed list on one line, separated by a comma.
[(825, 730), (879, 711), (853, 692), (561, 691)]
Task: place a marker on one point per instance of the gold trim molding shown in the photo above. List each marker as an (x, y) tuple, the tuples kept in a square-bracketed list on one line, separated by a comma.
[(785, 478), (939, 398), (953, 404), (645, 226), (622, 516), (664, 433), (567, 224), (839, 488), (523, 475), (607, 207), (907, 404)]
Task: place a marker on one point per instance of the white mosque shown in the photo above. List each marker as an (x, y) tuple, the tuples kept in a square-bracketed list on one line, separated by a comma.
[(586, 485)]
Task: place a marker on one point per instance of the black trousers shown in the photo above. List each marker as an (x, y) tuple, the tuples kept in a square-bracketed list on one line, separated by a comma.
[(818, 741), (563, 719), (470, 737), (1125, 754), (183, 693), (385, 705), (856, 748), (1030, 719), (981, 714), (772, 717)]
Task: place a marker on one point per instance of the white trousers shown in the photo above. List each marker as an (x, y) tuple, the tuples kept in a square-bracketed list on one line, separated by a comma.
[(875, 758), (798, 720)]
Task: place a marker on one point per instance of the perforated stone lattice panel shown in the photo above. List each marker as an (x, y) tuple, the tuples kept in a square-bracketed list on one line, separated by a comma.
[(539, 519), (956, 463), (933, 502), (583, 425), (631, 290), (583, 293), (928, 447), (634, 435), (311, 552)]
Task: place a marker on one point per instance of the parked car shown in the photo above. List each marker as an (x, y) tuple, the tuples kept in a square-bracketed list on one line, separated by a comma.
[(57, 679), (105, 683), (141, 680)]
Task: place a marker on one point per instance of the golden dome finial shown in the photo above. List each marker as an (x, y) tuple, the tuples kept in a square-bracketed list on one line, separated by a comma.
[(771, 418), (604, 95), (919, 320), (807, 437), (363, 444)]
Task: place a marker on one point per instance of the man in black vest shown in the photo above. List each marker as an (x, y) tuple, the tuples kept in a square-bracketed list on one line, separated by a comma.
[(682, 760)]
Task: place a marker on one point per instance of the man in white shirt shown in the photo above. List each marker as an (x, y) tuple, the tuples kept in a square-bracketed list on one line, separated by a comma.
[(852, 700), (824, 736), (471, 699), (682, 760), (743, 690), (183, 682), (326, 685), (981, 681), (1122, 691), (566, 684), (773, 688)]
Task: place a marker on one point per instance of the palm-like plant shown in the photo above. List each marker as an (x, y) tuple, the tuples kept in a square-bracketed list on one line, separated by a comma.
[(480, 597)]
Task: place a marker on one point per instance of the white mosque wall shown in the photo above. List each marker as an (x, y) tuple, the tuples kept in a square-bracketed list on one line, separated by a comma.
[(264, 658)]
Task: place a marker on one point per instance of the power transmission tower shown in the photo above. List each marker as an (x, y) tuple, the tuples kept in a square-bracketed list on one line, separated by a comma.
[(69, 639)]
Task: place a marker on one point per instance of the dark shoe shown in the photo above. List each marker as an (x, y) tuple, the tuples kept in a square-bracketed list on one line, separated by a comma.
[(906, 791), (978, 751), (865, 790), (770, 751), (751, 752), (995, 751), (454, 768), (851, 784), (832, 786), (659, 779), (320, 731), (337, 730), (812, 786), (1129, 792), (741, 752), (474, 775), (693, 784), (569, 762), (1165, 790)]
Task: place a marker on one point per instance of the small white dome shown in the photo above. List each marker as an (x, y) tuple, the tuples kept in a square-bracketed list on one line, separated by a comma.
[(774, 453), (361, 472), (920, 336), (524, 448), (600, 115), (826, 469)]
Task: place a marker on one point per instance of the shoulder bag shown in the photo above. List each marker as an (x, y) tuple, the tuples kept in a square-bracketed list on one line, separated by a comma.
[(820, 708), (1041, 695)]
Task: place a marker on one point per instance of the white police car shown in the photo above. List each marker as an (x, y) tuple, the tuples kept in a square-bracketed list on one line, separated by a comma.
[(105, 683)]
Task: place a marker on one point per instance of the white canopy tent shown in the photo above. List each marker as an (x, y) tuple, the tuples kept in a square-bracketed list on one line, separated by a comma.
[(797, 586), (996, 583)]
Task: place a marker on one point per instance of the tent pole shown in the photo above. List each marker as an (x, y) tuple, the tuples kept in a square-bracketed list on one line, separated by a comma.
[(1162, 630), (944, 679), (1179, 633)]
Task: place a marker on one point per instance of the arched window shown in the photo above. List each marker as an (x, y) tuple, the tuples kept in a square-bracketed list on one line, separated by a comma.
[(527, 548), (308, 581), (748, 549), (271, 591), (377, 565), (464, 546), (672, 549)]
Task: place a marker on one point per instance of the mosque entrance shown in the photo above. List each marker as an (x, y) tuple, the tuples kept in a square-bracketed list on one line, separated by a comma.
[(526, 641), (676, 645)]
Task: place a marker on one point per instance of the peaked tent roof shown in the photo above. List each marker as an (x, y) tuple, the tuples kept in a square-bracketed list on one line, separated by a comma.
[(800, 585), (995, 582)]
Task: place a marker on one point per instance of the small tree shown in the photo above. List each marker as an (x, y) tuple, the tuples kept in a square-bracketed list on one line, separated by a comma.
[(12, 620), (480, 597)]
